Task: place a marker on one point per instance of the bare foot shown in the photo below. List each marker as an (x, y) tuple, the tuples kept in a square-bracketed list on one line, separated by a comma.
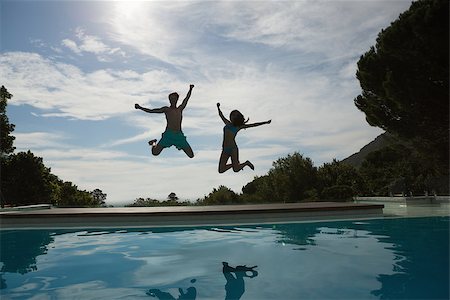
[(251, 166), (152, 142)]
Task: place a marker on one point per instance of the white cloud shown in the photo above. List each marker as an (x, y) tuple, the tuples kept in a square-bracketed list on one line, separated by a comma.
[(71, 45), (69, 92), (183, 33), (91, 44), (38, 140)]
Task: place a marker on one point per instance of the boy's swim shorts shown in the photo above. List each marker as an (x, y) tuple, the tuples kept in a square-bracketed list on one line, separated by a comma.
[(173, 138)]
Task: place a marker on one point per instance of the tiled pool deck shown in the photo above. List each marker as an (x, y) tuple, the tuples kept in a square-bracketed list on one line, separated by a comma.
[(37, 217)]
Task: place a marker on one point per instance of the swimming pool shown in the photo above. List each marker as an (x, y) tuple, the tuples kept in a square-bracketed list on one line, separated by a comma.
[(379, 258)]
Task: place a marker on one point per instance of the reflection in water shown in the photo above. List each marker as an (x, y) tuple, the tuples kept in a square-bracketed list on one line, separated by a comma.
[(422, 258), (191, 293), (19, 249), (2, 283), (235, 286), (384, 258)]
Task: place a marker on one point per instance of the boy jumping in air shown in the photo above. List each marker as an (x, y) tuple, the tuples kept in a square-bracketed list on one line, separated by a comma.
[(173, 135)]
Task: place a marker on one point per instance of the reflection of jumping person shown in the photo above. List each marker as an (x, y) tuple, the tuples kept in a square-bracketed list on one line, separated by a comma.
[(235, 286), (173, 136), (229, 146), (191, 293)]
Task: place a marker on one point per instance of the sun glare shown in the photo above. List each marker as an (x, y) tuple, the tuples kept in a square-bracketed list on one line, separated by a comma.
[(128, 9)]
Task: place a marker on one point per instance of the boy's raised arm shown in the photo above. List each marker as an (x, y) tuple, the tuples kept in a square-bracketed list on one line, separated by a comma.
[(221, 115), (245, 126), (149, 110), (188, 95)]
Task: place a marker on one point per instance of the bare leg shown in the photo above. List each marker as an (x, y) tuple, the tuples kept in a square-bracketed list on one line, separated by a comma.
[(237, 166), (156, 148), (223, 166), (249, 164), (188, 151)]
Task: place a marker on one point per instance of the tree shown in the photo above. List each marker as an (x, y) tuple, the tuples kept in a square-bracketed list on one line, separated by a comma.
[(172, 197), (293, 178), (396, 169), (259, 190), (6, 139), (220, 196), (70, 196), (337, 175), (338, 193), (26, 180), (99, 197), (149, 202), (405, 80)]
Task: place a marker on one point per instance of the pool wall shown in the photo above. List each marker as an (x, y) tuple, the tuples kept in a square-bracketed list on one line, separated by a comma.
[(186, 216)]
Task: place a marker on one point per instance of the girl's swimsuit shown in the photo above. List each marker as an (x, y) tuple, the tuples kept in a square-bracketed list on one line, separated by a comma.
[(231, 128), (234, 130)]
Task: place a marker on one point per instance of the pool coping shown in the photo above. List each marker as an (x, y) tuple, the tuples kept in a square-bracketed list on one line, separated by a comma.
[(185, 215)]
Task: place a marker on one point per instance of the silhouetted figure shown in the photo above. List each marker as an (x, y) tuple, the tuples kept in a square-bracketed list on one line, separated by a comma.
[(160, 295), (191, 293), (229, 146), (173, 135), (235, 286)]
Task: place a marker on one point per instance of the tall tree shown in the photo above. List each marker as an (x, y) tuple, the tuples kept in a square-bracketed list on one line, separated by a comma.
[(6, 139), (405, 79), (26, 180)]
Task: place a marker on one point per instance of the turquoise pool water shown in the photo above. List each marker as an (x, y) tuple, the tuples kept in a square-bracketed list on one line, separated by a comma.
[(404, 258)]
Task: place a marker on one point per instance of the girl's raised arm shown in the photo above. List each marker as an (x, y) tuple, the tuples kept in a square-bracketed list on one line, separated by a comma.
[(245, 126), (222, 116)]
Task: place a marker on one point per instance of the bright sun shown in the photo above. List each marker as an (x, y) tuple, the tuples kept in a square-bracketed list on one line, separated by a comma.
[(128, 9)]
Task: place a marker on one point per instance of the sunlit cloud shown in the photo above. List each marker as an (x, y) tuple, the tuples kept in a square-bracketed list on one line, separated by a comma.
[(90, 44), (39, 140), (70, 92)]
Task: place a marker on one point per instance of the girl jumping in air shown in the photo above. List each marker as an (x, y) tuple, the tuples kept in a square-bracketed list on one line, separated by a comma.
[(229, 146)]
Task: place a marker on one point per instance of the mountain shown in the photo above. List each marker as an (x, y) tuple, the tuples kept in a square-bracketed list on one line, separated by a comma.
[(381, 141)]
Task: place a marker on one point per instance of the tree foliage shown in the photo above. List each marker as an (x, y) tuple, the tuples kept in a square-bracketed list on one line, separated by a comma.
[(6, 139), (26, 180), (293, 178), (172, 196), (337, 173), (98, 197), (405, 79), (398, 169), (221, 195), (149, 202)]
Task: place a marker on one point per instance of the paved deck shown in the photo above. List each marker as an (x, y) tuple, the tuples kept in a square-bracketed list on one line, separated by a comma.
[(185, 215)]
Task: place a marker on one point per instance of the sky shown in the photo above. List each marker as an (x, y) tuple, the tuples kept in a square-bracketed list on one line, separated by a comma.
[(76, 69)]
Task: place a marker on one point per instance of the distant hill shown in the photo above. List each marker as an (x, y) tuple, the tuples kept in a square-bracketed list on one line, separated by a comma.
[(381, 141)]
